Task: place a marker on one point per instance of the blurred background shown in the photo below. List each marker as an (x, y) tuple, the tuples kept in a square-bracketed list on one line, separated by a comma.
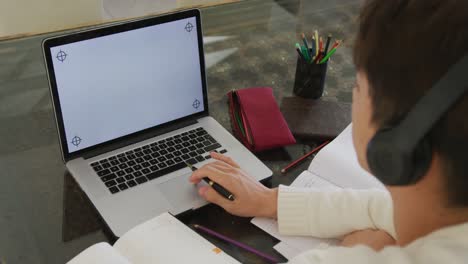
[(26, 17)]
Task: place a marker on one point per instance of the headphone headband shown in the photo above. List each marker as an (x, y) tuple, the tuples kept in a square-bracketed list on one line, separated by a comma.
[(400, 155), (437, 101)]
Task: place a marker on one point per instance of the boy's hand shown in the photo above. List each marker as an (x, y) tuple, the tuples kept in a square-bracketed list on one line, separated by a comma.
[(376, 239), (251, 197)]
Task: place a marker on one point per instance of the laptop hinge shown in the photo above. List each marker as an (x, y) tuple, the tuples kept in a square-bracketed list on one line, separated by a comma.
[(139, 138)]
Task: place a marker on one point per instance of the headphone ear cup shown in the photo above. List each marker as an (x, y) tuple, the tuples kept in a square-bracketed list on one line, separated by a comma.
[(422, 157), (387, 160), (395, 165)]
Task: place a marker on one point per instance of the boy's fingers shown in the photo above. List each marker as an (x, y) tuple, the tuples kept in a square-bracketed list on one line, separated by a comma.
[(212, 173), (223, 166), (221, 157), (212, 196), (194, 180)]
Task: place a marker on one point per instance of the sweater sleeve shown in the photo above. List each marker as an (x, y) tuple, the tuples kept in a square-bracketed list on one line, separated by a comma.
[(358, 254), (331, 213)]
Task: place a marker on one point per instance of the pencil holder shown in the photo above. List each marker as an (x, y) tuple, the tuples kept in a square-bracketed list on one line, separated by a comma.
[(310, 79)]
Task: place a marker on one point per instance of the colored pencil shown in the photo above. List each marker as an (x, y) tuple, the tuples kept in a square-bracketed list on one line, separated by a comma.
[(236, 243), (316, 43), (317, 59), (321, 45), (328, 43), (328, 56), (314, 48), (304, 157), (306, 45), (336, 44), (298, 48)]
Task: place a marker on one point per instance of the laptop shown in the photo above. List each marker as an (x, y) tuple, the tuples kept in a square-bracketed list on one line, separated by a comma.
[(131, 107)]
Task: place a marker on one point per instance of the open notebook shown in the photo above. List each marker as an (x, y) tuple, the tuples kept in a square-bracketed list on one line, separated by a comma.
[(160, 240), (335, 166), (338, 164)]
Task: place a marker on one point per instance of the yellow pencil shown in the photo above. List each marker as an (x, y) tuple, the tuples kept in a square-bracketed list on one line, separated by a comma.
[(316, 43), (314, 48)]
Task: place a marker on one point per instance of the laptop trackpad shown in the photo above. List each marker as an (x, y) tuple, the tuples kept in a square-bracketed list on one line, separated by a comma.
[(182, 194)]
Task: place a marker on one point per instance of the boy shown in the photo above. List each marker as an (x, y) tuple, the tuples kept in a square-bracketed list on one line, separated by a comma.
[(402, 49)]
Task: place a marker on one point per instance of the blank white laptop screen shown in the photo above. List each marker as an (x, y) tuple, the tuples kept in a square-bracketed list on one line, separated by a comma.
[(119, 84)]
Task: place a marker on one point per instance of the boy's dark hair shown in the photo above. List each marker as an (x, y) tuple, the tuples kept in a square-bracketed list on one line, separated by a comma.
[(404, 47)]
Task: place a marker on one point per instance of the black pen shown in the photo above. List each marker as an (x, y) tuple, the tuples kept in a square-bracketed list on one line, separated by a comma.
[(218, 188)]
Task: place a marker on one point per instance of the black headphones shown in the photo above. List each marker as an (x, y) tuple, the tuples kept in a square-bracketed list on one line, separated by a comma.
[(401, 155)]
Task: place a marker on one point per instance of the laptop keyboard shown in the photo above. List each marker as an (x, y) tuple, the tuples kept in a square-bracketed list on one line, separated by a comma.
[(142, 164)]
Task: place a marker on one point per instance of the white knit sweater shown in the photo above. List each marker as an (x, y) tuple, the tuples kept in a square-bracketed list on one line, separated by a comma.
[(334, 213)]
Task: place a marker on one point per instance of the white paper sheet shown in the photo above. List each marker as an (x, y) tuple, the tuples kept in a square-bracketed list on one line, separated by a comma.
[(311, 181), (286, 250), (293, 245), (166, 240), (101, 253), (338, 164), (290, 252)]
